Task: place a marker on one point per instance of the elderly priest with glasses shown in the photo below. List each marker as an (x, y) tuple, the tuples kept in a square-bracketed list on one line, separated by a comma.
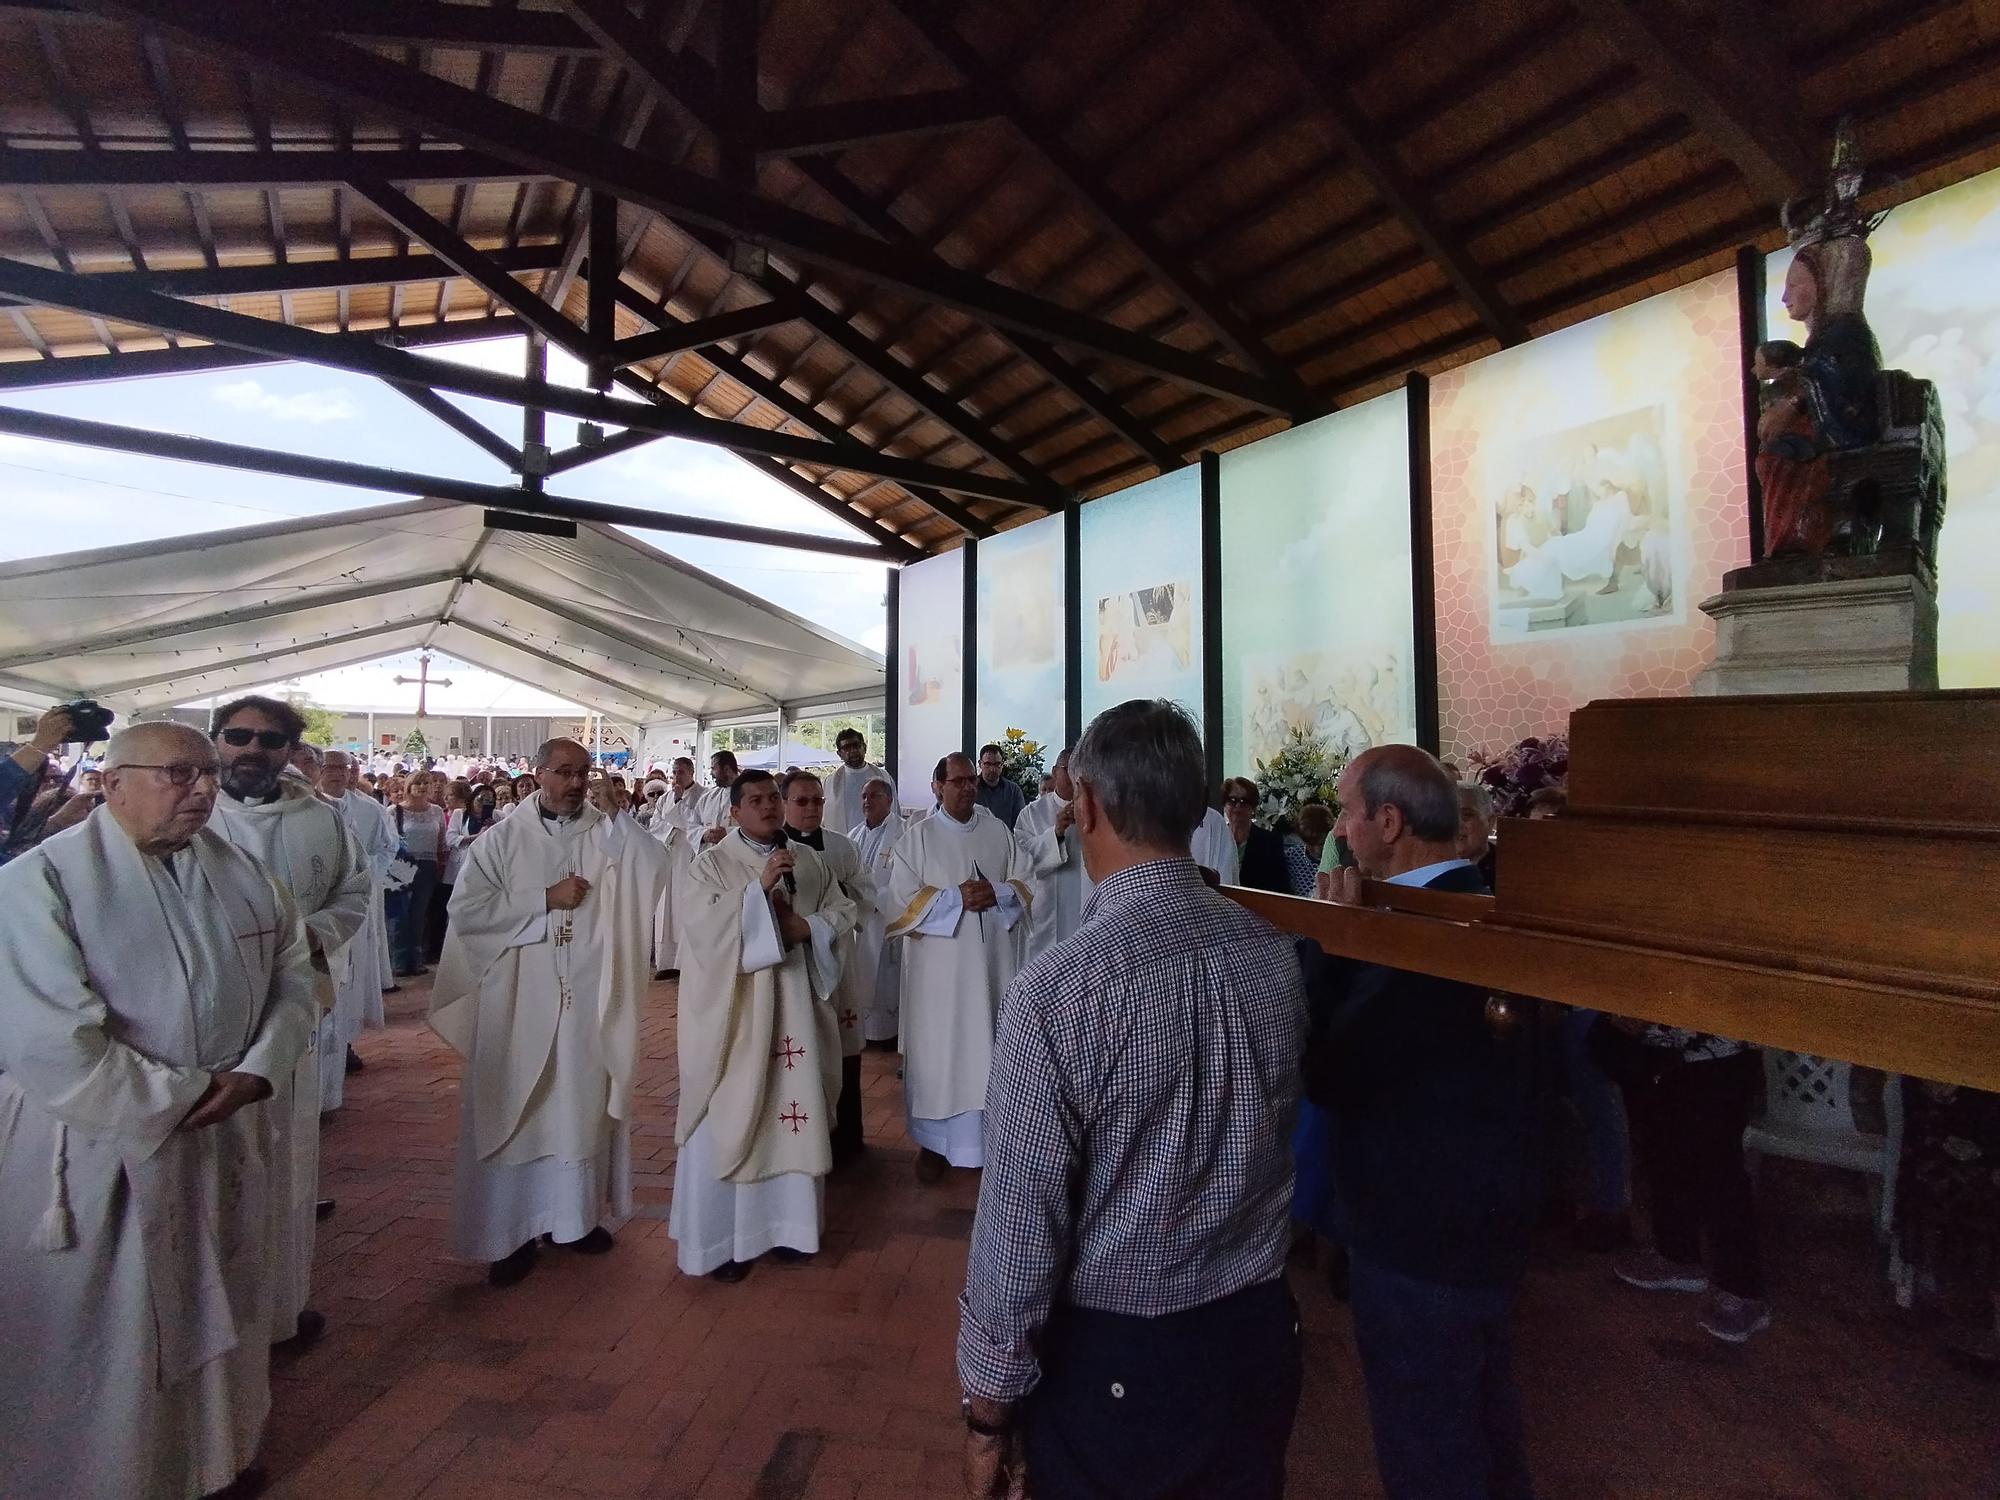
[(154, 987)]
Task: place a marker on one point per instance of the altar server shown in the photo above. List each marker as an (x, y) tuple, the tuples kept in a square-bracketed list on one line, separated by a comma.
[(154, 985), (878, 964), (759, 1043), (1051, 845), (958, 886), (282, 822), (540, 990)]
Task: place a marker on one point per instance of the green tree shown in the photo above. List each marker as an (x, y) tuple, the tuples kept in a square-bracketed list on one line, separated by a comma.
[(415, 746), (322, 724)]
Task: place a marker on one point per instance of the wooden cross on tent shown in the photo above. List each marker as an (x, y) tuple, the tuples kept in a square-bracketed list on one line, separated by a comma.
[(423, 680)]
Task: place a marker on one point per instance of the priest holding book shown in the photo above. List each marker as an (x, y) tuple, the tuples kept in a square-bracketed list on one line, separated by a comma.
[(958, 885)]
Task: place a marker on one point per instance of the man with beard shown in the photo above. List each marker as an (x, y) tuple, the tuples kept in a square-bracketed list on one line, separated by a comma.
[(282, 823), (846, 781), (154, 988), (805, 809), (712, 809), (540, 990)]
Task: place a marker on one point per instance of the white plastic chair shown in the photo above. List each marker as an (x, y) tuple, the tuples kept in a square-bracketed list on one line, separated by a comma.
[(1809, 1116)]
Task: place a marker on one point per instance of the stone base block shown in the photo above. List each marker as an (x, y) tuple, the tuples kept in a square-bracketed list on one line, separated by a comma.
[(1853, 635)]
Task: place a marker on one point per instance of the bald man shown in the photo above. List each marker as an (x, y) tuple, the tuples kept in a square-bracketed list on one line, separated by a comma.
[(540, 989), (1430, 1107), (155, 984)]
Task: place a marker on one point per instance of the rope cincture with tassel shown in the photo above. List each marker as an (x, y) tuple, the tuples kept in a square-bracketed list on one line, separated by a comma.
[(57, 1231)]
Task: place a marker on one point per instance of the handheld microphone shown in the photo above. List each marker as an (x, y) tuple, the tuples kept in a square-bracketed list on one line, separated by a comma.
[(791, 882)]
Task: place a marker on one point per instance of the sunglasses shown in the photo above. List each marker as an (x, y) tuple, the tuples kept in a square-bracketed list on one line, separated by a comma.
[(267, 739), (1239, 801)]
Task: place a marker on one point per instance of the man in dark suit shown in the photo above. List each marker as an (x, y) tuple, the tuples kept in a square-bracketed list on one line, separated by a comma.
[(1430, 1105)]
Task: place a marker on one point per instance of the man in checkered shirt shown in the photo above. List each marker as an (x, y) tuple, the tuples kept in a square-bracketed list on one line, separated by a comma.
[(1125, 1327)]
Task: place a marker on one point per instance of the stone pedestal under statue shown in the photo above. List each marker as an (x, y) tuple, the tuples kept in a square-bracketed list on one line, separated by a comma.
[(1824, 625)]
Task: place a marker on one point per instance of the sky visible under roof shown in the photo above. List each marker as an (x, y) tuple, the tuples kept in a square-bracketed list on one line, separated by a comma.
[(58, 498)]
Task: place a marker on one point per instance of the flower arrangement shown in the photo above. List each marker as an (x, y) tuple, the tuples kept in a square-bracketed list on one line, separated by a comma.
[(1021, 762), (1306, 770), (1519, 771)]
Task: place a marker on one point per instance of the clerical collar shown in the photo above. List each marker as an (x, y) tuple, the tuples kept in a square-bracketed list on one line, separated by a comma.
[(561, 820), (814, 840), (760, 845)]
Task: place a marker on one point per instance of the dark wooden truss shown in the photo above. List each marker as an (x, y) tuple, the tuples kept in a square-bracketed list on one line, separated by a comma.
[(936, 268)]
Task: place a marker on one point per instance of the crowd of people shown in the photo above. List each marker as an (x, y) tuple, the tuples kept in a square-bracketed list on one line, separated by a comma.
[(1167, 1098)]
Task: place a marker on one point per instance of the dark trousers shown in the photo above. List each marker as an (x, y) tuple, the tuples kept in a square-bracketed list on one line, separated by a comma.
[(410, 926), (847, 1114), (438, 919), (1687, 1139), (1438, 1362), (1197, 1405)]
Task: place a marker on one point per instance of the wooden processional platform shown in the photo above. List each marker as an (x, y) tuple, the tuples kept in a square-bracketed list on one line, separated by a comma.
[(1817, 872)]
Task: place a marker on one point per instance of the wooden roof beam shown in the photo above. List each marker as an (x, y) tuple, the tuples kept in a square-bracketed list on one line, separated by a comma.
[(677, 337), (321, 275), (476, 266), (1203, 300), (1730, 85), (819, 128), (774, 394), (396, 482), (191, 170), (81, 294), (1289, 23)]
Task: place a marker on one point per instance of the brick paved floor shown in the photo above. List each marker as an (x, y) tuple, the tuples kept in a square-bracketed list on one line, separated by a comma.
[(615, 1376)]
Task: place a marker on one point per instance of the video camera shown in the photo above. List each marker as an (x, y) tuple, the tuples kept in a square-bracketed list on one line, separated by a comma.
[(88, 722)]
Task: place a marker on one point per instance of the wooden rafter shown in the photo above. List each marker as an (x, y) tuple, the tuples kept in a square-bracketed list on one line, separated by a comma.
[(1738, 95)]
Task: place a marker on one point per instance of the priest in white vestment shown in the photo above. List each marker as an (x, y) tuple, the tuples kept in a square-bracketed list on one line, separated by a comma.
[(712, 807), (805, 812), (359, 981), (847, 781), (155, 985), (677, 826), (1046, 832), (540, 991), (878, 964), (1214, 847), (958, 886), (283, 823), (759, 1043)]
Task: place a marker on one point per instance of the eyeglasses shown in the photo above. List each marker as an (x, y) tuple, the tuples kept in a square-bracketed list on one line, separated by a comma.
[(178, 775), (1239, 801), (267, 739)]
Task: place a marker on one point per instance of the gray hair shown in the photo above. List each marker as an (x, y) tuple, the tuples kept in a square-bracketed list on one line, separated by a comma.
[(1412, 781), (310, 751), (878, 779), (1471, 794), (1143, 761)]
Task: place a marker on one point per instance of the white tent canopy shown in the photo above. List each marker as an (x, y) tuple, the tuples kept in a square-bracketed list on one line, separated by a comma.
[(602, 620)]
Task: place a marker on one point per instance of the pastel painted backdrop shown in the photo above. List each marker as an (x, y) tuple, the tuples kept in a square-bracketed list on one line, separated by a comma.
[(1140, 571), (1934, 303), (930, 671), (1588, 491), (1020, 634), (1316, 593)]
